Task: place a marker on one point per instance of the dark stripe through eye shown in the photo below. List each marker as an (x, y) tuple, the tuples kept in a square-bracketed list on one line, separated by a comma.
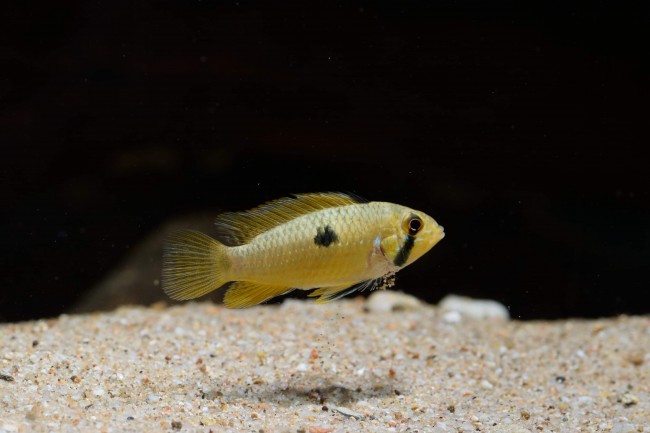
[(404, 252)]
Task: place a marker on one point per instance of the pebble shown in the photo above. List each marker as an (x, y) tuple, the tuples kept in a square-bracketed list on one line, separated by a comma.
[(452, 317), (348, 412), (6, 378), (623, 427), (317, 429), (385, 301), (9, 427), (511, 428), (629, 399), (486, 384), (585, 399), (474, 308)]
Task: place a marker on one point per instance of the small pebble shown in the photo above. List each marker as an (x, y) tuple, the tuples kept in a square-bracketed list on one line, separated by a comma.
[(585, 399), (474, 308), (623, 427), (316, 429), (177, 425), (486, 385), (6, 378), (8, 426), (452, 317), (635, 358), (78, 396), (384, 301), (348, 412), (511, 428), (629, 399), (210, 393), (35, 412)]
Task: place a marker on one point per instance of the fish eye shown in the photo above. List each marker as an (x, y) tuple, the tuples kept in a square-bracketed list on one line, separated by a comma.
[(413, 224)]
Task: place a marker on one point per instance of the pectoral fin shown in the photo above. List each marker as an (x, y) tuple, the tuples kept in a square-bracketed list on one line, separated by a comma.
[(329, 294)]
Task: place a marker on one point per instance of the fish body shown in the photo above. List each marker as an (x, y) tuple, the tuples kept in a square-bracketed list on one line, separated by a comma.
[(331, 242)]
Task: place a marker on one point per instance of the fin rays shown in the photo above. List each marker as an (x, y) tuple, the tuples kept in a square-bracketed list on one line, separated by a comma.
[(193, 265), (238, 228), (329, 294), (242, 294)]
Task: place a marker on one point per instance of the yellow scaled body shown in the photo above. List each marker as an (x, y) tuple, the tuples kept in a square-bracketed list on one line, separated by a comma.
[(331, 242)]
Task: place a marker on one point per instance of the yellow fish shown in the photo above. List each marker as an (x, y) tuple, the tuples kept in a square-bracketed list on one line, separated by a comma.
[(332, 242)]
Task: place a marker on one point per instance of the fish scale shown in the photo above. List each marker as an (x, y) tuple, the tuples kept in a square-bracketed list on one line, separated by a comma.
[(291, 249), (324, 241)]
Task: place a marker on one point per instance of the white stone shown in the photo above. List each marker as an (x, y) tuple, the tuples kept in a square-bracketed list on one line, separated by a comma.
[(474, 308), (384, 301), (511, 428), (348, 412), (452, 317), (623, 427)]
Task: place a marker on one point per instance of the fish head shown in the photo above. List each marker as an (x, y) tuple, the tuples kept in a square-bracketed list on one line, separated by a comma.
[(411, 234)]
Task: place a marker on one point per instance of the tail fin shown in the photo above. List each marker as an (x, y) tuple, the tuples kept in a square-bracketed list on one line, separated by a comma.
[(194, 264)]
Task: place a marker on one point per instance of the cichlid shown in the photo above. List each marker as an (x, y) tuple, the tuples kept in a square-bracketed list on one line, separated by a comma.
[(332, 242)]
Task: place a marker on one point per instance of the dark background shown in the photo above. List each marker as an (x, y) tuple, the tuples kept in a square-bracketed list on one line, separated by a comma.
[(520, 126)]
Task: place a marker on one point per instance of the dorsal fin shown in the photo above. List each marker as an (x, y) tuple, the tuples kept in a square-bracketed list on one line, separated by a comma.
[(238, 228)]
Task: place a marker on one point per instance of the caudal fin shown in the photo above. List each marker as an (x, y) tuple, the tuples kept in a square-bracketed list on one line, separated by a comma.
[(194, 264)]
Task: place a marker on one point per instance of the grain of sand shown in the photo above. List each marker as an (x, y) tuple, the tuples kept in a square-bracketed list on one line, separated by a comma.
[(300, 367)]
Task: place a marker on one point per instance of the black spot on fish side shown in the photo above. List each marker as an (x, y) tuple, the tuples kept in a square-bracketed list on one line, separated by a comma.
[(325, 236), (404, 252)]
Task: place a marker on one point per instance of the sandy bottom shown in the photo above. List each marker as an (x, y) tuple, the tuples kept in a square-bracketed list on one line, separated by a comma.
[(309, 368)]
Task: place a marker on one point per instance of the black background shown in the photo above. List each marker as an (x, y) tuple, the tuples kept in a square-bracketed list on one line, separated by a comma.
[(520, 126)]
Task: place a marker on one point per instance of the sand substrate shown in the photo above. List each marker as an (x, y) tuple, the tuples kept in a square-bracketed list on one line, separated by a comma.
[(300, 367)]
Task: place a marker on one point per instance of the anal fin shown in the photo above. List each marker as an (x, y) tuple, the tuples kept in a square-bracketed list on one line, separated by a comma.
[(242, 294)]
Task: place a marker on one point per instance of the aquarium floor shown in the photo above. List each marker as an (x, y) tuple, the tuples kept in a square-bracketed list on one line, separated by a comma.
[(300, 367)]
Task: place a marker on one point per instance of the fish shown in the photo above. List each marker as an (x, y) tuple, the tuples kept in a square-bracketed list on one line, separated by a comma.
[(331, 243)]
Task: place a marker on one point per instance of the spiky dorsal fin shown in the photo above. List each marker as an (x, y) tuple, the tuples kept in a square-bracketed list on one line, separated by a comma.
[(238, 228)]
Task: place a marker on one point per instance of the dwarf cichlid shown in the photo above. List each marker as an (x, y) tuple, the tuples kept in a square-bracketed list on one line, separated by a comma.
[(332, 242)]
